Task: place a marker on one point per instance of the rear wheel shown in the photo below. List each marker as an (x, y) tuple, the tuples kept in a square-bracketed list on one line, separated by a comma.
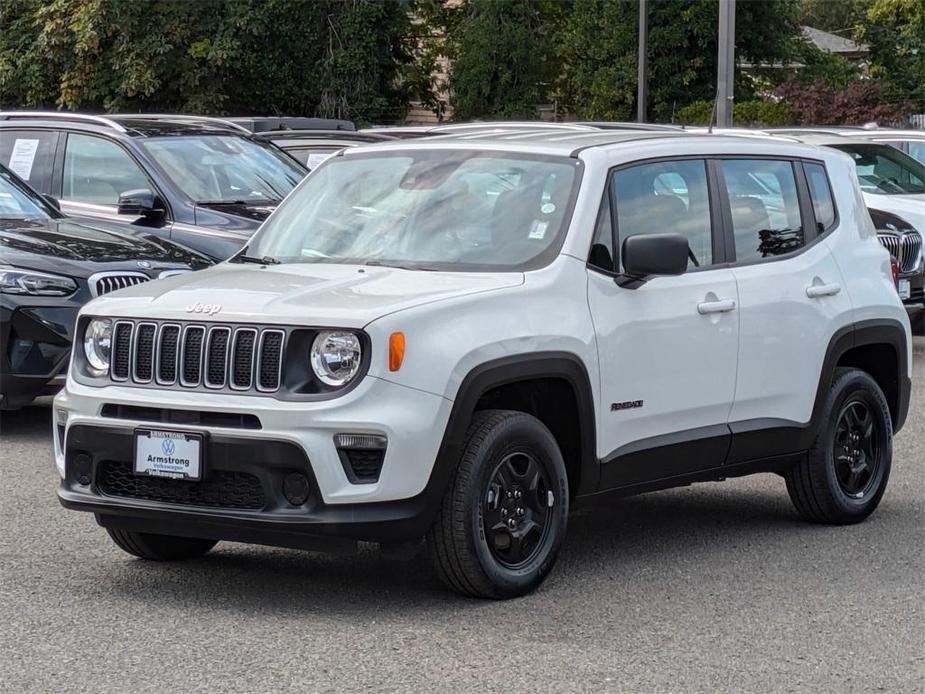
[(845, 473), (160, 547), (503, 519)]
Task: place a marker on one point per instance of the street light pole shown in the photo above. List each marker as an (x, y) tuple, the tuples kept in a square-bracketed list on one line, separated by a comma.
[(642, 81), (725, 73)]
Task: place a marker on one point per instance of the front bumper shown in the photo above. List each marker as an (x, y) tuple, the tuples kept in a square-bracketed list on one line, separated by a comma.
[(293, 437), (35, 346)]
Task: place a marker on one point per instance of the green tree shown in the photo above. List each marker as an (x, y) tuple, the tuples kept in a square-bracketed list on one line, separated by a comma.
[(501, 53), (894, 30), (835, 16), (597, 47), (341, 58)]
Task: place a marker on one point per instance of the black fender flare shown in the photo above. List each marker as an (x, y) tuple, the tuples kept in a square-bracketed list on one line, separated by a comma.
[(889, 332), (512, 369)]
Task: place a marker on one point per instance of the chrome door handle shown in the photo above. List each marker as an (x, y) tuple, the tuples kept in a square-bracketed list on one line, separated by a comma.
[(722, 306), (816, 291)]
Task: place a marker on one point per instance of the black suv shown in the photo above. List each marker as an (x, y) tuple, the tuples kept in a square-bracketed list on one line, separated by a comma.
[(203, 182), (50, 266)]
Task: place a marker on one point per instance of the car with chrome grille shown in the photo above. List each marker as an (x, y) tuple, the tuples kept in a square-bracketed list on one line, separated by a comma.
[(50, 265), (452, 341)]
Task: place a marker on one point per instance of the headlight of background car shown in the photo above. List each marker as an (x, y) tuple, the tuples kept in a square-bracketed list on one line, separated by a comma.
[(335, 357), (31, 282), (98, 344)]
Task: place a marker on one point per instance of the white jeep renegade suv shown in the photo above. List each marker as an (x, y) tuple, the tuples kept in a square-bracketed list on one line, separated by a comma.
[(457, 338)]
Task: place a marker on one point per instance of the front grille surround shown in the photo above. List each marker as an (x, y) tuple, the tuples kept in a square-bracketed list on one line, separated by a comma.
[(143, 354), (905, 246), (197, 356), (166, 357), (105, 282), (215, 371)]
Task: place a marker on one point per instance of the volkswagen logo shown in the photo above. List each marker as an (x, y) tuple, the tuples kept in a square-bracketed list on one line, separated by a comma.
[(168, 446), (144, 264)]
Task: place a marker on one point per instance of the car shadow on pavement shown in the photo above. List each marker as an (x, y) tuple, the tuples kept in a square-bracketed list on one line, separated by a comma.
[(26, 422), (612, 537)]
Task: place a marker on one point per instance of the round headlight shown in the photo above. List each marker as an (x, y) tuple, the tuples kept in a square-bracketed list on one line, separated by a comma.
[(98, 344), (335, 357)]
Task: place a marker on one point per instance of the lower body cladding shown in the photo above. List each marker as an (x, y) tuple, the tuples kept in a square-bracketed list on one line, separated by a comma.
[(36, 345), (272, 472)]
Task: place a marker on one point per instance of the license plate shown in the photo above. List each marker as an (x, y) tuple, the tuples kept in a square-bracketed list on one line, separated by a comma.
[(905, 290), (174, 454)]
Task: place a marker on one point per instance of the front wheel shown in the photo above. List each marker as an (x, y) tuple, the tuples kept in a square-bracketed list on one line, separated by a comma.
[(842, 478), (160, 547), (502, 520)]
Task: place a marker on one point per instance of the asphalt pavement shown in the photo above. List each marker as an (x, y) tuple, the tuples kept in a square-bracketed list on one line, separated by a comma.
[(715, 587)]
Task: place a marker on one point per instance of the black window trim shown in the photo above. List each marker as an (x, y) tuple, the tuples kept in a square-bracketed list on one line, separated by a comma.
[(59, 172), (810, 237), (721, 212), (828, 182), (717, 231)]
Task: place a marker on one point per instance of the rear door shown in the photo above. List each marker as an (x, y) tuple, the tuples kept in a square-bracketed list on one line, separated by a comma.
[(791, 297)]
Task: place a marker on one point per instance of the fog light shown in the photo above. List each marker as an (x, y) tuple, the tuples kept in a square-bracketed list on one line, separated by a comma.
[(295, 488), (83, 464), (361, 455)]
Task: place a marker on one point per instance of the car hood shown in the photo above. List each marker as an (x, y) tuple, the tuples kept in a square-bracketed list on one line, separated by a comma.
[(349, 296), (79, 248), (910, 207)]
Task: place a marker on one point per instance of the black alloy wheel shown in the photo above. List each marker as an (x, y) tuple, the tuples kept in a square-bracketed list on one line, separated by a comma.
[(517, 512)]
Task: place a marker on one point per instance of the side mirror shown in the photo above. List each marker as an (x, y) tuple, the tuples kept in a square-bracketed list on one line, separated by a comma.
[(139, 203), (646, 255), (53, 201)]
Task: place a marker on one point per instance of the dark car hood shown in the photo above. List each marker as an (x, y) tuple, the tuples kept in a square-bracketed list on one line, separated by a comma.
[(234, 217), (79, 247)]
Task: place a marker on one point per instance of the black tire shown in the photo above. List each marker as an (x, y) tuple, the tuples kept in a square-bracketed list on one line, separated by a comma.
[(505, 452), (842, 478), (160, 547)]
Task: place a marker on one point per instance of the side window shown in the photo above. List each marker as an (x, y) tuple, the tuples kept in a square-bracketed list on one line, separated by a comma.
[(601, 255), (765, 207), (98, 171), (821, 194), (30, 154), (664, 197)]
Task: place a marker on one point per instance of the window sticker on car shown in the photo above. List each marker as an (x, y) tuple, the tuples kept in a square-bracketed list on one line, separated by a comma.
[(538, 229), (22, 157)]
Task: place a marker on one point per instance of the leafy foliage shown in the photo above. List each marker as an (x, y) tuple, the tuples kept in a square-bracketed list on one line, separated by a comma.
[(756, 113), (895, 32), (859, 103), (501, 58), (597, 48), (340, 58)]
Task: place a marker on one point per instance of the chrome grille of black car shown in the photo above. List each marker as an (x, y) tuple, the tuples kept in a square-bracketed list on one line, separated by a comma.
[(906, 247), (197, 356), (110, 282)]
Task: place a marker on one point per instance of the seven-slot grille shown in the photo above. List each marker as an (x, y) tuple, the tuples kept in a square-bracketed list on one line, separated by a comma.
[(191, 356), (905, 247), (110, 282)]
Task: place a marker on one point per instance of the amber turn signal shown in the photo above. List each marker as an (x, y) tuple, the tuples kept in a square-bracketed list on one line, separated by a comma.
[(396, 351)]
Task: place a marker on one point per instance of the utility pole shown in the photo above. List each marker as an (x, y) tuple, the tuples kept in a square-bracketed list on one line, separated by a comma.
[(725, 73), (642, 81)]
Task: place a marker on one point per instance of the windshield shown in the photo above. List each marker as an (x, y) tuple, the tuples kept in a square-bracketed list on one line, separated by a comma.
[(885, 170), (17, 201), (431, 209), (226, 168)]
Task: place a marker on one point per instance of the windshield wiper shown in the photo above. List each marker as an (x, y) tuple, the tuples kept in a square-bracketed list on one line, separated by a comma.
[(265, 260), (400, 266), (258, 203)]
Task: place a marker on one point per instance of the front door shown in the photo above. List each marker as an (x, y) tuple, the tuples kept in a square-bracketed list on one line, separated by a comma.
[(667, 349)]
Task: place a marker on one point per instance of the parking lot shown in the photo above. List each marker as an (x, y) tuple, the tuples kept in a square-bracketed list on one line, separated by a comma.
[(711, 587)]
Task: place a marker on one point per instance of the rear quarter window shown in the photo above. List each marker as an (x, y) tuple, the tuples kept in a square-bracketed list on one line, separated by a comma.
[(821, 195), (30, 154)]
